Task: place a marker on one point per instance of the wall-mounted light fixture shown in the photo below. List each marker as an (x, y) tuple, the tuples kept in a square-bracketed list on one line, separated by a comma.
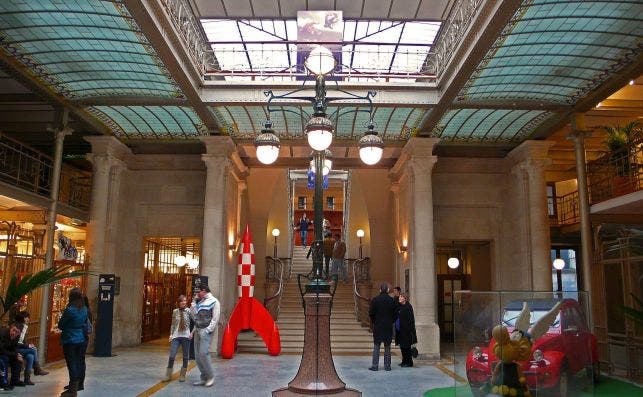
[(403, 248)]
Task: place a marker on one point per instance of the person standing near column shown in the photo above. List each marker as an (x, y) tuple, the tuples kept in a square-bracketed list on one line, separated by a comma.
[(304, 222), (180, 335), (205, 311), (329, 243), (339, 265), (382, 314), (405, 335)]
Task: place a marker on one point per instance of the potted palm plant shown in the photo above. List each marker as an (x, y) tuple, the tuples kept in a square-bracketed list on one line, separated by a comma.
[(30, 282), (621, 154)]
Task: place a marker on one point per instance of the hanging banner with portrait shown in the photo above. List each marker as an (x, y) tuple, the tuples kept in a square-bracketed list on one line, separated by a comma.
[(319, 28)]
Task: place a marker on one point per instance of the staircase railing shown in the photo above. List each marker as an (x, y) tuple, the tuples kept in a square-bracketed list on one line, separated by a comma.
[(274, 276), (361, 276)]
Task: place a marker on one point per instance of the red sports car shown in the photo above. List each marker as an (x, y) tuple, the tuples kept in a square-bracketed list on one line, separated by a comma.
[(565, 349)]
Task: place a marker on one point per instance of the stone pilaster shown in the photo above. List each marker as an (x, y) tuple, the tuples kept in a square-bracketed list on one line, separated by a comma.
[(528, 162), (108, 158), (221, 162), (417, 163)]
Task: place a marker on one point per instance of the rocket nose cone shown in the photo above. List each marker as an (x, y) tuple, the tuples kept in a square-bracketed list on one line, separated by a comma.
[(247, 236)]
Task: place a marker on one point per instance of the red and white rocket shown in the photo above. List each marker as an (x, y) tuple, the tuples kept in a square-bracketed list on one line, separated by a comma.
[(249, 313)]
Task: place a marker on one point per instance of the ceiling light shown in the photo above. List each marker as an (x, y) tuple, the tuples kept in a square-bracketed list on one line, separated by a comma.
[(631, 82), (320, 132), (371, 146), (267, 144), (180, 260), (320, 61)]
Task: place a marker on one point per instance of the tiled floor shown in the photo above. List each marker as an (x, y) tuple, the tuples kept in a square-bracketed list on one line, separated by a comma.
[(138, 371)]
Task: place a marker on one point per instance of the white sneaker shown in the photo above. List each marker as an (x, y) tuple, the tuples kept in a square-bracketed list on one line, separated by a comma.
[(199, 383), (209, 382)]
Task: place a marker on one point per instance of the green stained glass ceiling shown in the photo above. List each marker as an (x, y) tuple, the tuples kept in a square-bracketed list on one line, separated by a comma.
[(392, 123), (488, 125), (558, 51), (145, 122), (84, 48)]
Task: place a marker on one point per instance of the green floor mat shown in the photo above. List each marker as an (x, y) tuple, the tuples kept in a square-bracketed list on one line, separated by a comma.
[(607, 387)]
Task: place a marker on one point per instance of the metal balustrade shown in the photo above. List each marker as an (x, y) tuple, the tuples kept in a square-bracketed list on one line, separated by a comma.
[(30, 170), (616, 174), (568, 209)]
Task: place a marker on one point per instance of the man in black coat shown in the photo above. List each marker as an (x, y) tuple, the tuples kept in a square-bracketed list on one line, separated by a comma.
[(382, 313), (9, 354)]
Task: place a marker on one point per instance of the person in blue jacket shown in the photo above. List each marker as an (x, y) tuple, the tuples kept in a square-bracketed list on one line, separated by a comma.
[(73, 324)]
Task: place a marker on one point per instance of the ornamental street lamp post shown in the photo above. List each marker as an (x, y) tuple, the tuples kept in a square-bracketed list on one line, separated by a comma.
[(317, 372)]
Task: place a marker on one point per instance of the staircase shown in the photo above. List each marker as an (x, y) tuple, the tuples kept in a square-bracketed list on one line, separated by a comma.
[(347, 336)]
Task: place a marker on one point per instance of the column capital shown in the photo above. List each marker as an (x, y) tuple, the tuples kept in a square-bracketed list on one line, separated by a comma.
[(215, 161), (108, 146), (61, 133), (529, 150), (104, 162), (395, 187), (415, 148), (221, 145), (422, 165), (578, 134)]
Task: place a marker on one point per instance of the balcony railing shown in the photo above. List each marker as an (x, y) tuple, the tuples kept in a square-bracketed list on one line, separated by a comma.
[(30, 170), (616, 174), (567, 209)]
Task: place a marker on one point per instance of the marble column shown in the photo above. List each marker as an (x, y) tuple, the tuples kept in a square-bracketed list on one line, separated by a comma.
[(416, 166), (578, 135), (529, 161)]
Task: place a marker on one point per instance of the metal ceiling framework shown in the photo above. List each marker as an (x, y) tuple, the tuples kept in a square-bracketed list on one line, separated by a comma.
[(551, 53), (392, 123), (371, 50), (520, 66), (85, 52)]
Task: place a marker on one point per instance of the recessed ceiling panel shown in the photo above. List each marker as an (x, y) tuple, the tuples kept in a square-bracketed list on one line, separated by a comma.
[(150, 122), (558, 51), (289, 121), (489, 125), (84, 48)]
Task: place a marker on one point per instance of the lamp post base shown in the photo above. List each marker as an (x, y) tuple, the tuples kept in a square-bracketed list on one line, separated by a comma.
[(317, 374)]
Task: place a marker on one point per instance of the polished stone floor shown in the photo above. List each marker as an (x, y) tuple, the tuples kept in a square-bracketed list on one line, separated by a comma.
[(138, 371)]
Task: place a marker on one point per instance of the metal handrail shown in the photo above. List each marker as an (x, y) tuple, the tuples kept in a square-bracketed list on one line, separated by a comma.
[(616, 173), (31, 170), (272, 276), (361, 275)]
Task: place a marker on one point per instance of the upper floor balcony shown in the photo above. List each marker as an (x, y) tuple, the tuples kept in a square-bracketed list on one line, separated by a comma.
[(31, 172)]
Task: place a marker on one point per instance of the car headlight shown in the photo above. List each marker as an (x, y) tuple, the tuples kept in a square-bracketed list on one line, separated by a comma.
[(538, 355), (477, 352)]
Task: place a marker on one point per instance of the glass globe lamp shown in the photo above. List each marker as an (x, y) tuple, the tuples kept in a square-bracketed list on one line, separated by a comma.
[(371, 146), (320, 133), (320, 61), (267, 144)]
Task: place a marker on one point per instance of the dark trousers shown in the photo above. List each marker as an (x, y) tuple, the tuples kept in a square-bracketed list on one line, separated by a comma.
[(327, 264), (12, 361), (407, 359), (83, 367), (74, 357)]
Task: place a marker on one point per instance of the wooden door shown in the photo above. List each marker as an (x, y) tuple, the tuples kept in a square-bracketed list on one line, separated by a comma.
[(447, 285)]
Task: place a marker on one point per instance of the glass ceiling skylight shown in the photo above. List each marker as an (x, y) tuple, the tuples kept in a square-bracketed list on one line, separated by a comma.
[(371, 50)]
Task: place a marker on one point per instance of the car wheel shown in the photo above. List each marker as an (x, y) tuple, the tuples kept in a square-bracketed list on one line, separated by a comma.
[(593, 372), (563, 382)]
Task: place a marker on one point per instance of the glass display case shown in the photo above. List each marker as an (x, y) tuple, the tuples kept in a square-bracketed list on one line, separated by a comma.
[(522, 343)]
